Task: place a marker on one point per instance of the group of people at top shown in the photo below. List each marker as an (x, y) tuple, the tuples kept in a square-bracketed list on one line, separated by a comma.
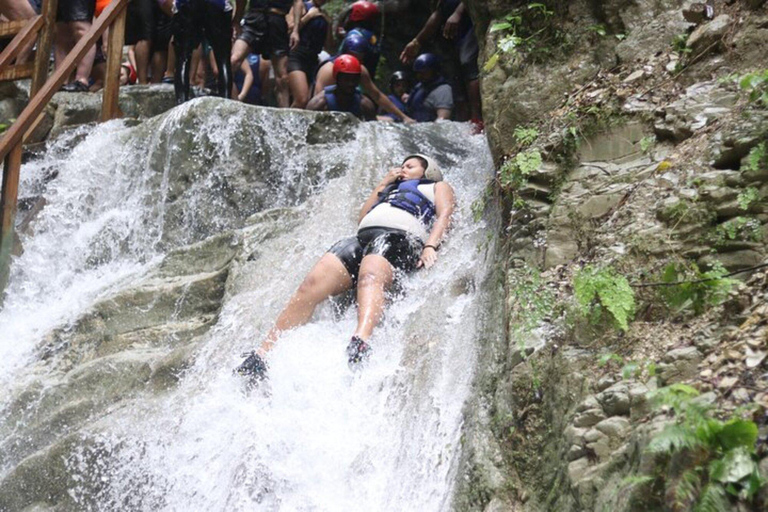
[(281, 52)]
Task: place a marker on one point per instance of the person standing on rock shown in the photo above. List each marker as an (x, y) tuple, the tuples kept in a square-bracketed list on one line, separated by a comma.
[(344, 96), (400, 228), (315, 32), (265, 32), (15, 10), (452, 17), (193, 21), (73, 20)]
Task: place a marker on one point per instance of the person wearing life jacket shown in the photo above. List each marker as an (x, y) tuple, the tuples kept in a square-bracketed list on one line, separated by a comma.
[(400, 228), (315, 34), (364, 20), (398, 93), (265, 32), (344, 96), (193, 21), (252, 79), (451, 20), (356, 46), (432, 97)]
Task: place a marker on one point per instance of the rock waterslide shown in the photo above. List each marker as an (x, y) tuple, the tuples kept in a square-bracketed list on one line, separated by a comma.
[(166, 249)]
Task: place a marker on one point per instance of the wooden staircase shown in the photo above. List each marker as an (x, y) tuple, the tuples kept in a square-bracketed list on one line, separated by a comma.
[(42, 89)]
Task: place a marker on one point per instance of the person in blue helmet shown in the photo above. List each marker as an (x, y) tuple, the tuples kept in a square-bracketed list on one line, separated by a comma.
[(265, 32), (451, 20), (400, 229), (363, 19), (356, 46), (252, 80), (315, 33), (432, 97), (194, 20), (399, 87), (344, 96)]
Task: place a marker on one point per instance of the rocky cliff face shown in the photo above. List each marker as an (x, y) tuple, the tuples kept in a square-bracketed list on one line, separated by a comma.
[(631, 143)]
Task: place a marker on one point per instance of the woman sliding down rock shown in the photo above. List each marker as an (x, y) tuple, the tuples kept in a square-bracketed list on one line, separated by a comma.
[(401, 226)]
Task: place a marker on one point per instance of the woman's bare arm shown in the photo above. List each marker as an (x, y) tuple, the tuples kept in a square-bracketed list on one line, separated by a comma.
[(444, 205)]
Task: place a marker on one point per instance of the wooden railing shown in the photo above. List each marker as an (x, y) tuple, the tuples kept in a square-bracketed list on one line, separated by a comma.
[(42, 90)]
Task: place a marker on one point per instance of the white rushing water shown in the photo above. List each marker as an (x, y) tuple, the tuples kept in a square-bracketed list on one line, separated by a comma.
[(317, 436)]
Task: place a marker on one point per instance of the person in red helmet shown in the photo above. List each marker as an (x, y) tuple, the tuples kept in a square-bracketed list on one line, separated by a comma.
[(344, 96), (325, 78)]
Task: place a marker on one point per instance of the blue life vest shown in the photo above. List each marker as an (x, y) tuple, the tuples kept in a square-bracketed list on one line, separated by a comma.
[(312, 36), (416, 107), (371, 61), (406, 196), (398, 103), (333, 102), (254, 93)]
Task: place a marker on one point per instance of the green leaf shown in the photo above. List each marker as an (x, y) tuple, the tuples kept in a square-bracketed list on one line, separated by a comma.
[(491, 63), (503, 25), (630, 370), (738, 432), (737, 465)]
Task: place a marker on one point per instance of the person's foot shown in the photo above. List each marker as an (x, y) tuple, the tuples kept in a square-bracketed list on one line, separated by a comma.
[(76, 86), (168, 80), (357, 351), (253, 367)]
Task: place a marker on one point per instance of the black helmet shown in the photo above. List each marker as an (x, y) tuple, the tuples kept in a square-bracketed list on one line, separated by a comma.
[(397, 76)]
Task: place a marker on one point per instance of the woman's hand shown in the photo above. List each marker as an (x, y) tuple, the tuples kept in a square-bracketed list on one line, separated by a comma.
[(452, 26), (392, 176), (428, 257)]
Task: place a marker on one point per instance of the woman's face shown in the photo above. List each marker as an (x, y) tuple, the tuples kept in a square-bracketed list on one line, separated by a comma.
[(413, 169)]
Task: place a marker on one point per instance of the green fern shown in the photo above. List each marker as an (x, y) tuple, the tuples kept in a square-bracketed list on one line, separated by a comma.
[(609, 289), (721, 456), (713, 499)]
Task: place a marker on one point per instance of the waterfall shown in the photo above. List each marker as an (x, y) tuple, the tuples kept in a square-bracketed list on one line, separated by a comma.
[(128, 200)]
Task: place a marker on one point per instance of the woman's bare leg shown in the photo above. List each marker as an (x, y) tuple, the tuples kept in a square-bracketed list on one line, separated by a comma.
[(327, 278), (375, 277)]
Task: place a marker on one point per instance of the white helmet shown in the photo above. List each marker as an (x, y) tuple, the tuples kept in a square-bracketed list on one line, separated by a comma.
[(432, 171)]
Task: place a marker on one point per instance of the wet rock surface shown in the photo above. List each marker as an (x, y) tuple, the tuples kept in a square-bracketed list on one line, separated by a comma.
[(645, 165)]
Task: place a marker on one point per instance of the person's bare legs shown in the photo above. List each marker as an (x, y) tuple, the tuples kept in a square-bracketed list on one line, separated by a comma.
[(159, 66), (375, 277), (142, 49), (297, 83), (62, 43), (280, 63), (18, 10), (83, 69), (473, 93), (327, 278), (240, 51)]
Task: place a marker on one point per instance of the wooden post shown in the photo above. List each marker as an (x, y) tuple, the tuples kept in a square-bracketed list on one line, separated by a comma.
[(8, 212), (44, 43), (115, 40)]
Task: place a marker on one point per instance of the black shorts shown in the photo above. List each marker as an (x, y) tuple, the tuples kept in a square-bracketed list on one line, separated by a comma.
[(266, 33), (400, 249), (161, 35), (140, 21), (75, 10), (303, 59)]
